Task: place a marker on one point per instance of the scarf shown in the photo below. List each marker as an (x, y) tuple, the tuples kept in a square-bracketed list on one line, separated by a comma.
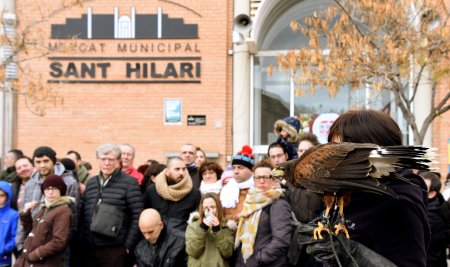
[(249, 217), (229, 196), (211, 188), (174, 192)]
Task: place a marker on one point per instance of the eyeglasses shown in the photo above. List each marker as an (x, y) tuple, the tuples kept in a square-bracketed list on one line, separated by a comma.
[(2, 195), (107, 159), (277, 156), (50, 188), (264, 178)]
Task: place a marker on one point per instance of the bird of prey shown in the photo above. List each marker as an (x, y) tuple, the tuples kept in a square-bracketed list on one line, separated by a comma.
[(336, 169)]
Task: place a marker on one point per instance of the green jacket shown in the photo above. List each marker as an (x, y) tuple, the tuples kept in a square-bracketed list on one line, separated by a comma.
[(82, 175), (206, 248)]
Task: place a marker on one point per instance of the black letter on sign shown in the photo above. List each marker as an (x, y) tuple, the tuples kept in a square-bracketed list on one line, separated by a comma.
[(103, 66), (71, 70), (56, 69)]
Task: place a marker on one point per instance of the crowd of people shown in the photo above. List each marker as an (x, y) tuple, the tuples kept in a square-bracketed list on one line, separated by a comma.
[(190, 211)]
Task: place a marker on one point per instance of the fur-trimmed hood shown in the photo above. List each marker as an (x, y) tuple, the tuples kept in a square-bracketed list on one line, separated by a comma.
[(281, 124), (63, 200)]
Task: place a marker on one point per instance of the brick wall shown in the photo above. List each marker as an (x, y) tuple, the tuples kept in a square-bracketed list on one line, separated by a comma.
[(92, 114)]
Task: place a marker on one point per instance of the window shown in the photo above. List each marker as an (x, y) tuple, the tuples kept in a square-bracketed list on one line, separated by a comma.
[(273, 96)]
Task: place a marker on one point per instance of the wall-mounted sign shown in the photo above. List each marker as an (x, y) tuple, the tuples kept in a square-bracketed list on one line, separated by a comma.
[(196, 120), (172, 111), (322, 124), (162, 59)]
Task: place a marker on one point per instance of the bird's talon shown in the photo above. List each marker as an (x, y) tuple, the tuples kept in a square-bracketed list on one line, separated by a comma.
[(317, 232), (341, 228)]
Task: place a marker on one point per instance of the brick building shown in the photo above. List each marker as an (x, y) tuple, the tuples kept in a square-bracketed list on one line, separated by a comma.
[(158, 74)]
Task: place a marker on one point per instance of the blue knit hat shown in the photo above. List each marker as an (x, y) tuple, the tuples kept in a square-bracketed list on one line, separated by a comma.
[(294, 122), (244, 157)]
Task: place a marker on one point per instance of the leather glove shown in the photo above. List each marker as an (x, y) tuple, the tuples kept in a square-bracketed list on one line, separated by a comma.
[(337, 250)]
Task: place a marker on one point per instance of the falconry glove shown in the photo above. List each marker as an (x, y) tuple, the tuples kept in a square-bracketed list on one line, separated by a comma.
[(337, 250)]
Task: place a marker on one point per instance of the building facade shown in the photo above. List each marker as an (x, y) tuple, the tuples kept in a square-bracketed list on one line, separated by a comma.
[(158, 74)]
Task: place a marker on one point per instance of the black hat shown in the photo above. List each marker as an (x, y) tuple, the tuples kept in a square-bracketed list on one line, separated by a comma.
[(45, 151), (244, 157), (54, 181)]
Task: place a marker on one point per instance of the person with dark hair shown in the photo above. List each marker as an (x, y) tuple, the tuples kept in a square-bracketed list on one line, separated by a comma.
[(173, 195), (210, 172), (44, 159), (49, 231), (305, 141), (396, 230), (209, 241), (150, 175), (87, 165), (265, 226), (80, 169), (439, 219), (277, 153), (9, 173)]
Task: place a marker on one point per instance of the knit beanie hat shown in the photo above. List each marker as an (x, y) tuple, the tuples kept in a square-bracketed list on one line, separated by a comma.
[(244, 157), (54, 181), (45, 151)]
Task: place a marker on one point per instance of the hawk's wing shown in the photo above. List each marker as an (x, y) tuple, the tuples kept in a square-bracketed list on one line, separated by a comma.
[(339, 167)]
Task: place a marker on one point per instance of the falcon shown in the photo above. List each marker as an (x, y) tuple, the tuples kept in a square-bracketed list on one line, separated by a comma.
[(334, 170)]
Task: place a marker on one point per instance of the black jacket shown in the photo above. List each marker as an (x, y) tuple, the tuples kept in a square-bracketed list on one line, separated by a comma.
[(439, 219), (396, 228), (195, 176), (168, 251), (123, 191), (174, 214)]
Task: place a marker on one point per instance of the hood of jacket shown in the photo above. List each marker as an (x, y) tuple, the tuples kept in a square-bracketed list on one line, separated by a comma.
[(63, 200), (5, 187), (281, 124), (58, 169)]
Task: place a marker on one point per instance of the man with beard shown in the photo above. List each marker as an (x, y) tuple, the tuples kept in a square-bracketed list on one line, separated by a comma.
[(173, 195), (44, 159)]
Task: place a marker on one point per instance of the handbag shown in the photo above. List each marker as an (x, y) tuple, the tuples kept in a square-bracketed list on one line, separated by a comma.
[(107, 220)]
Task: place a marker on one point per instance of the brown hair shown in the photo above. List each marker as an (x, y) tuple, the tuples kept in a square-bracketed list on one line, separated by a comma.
[(366, 126), (312, 138), (210, 166), (266, 163), (219, 207)]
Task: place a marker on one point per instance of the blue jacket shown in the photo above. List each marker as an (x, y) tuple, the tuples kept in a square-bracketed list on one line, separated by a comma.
[(8, 226)]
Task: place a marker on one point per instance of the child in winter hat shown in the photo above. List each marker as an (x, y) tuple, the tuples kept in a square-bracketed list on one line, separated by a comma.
[(287, 131)]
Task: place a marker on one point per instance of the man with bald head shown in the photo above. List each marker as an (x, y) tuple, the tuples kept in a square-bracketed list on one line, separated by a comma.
[(173, 195), (160, 246)]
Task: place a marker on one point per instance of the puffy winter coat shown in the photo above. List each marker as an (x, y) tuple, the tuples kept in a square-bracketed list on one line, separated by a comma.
[(122, 191), (208, 248), (46, 242), (8, 226)]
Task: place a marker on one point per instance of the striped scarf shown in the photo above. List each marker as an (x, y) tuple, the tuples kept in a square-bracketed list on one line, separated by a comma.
[(249, 217)]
